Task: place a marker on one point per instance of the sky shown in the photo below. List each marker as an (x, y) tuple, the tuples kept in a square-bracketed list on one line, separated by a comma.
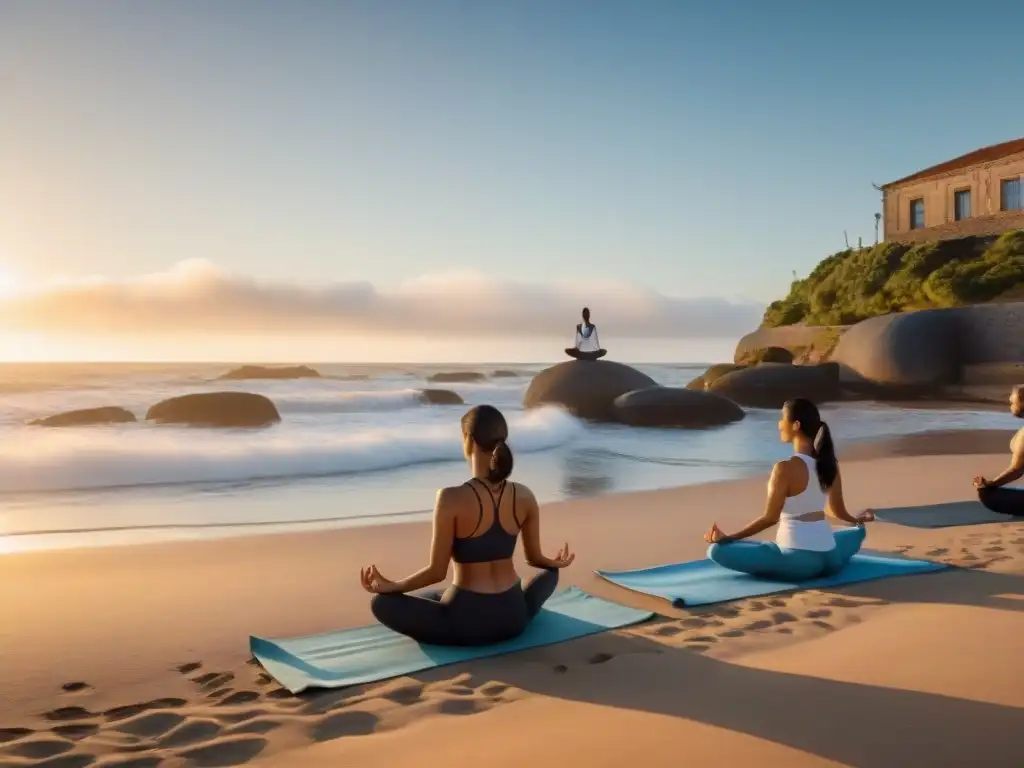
[(409, 180)]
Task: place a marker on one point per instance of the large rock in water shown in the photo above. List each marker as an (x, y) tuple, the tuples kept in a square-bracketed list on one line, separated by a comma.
[(453, 377), (87, 417), (586, 388), (440, 397), (906, 352), (272, 372), (216, 409), (769, 385), (675, 407)]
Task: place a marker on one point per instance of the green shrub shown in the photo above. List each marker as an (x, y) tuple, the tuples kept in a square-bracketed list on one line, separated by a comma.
[(853, 285)]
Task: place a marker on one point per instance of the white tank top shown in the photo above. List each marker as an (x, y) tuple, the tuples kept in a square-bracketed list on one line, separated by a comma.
[(815, 536), (586, 339)]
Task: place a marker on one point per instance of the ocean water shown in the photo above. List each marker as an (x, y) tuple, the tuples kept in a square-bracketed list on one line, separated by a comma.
[(354, 447)]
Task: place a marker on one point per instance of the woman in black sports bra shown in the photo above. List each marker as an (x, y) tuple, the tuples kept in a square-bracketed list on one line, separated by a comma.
[(476, 525)]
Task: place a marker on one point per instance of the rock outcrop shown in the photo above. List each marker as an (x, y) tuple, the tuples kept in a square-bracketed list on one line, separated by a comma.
[(902, 354), (216, 409), (86, 417), (440, 397), (675, 407), (451, 377), (769, 385), (585, 388), (271, 372)]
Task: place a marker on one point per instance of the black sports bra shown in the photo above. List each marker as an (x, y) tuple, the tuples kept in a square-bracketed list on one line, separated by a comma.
[(493, 544)]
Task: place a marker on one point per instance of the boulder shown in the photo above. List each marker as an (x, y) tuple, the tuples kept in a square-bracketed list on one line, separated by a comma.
[(766, 355), (440, 397), (456, 376), (503, 374), (675, 407), (905, 353), (586, 388), (717, 371), (769, 385), (271, 372), (216, 409), (85, 417)]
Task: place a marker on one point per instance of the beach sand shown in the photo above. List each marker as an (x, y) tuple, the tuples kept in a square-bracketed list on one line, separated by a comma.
[(138, 656)]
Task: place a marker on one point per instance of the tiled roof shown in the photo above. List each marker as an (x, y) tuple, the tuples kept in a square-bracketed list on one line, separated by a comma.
[(983, 155)]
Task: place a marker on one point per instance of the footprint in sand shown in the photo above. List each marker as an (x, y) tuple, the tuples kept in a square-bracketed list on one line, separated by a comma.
[(702, 639), (823, 625), (241, 717), (219, 693), (757, 626), (131, 710), (213, 679), (784, 630), (40, 749), (600, 658), (192, 666), (781, 617), (67, 761), (994, 548), (342, 724), (777, 602), (406, 695), (151, 725), (461, 706), (255, 727), (75, 687), (188, 733), (494, 689), (560, 668), (76, 731), (143, 761), (238, 697), (264, 679), (669, 630), (225, 752), (65, 714), (280, 693), (732, 633), (819, 614), (937, 552), (8, 735)]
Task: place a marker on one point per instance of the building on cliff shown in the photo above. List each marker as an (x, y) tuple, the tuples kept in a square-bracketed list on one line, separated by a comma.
[(979, 193)]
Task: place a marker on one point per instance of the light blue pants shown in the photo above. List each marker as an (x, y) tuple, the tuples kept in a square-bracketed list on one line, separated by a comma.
[(766, 560)]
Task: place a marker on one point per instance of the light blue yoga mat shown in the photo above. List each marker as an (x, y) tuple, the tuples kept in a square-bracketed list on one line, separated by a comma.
[(949, 515), (703, 582), (369, 654)]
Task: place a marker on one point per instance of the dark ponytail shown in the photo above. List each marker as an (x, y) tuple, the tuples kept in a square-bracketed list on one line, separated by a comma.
[(826, 465), (501, 462), (488, 429)]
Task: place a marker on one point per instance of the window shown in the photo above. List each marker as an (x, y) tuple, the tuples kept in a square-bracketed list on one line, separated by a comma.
[(1009, 195), (962, 204), (917, 214)]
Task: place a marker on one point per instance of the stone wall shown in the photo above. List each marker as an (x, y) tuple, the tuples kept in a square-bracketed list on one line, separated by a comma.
[(979, 226)]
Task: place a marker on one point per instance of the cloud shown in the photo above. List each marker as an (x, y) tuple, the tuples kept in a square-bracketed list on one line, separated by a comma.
[(197, 296)]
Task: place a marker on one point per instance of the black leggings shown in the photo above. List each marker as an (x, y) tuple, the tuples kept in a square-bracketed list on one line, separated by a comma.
[(461, 617), (1006, 501)]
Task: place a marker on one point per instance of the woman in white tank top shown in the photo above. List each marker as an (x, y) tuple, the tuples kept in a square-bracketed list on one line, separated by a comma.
[(800, 492), (586, 346)]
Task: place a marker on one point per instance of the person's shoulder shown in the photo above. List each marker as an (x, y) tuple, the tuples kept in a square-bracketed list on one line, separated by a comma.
[(523, 493), (452, 496)]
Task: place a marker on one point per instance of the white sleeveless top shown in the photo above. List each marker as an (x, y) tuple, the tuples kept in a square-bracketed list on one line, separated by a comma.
[(815, 536), (586, 340)]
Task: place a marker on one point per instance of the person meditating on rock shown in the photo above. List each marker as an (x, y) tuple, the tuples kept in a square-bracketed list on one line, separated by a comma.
[(993, 493), (588, 347), (476, 525), (800, 491)]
